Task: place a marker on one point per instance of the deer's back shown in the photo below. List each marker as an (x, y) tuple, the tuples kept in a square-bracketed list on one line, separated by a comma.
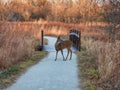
[(63, 45)]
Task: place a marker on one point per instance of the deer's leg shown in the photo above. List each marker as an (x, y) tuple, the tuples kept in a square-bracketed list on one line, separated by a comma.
[(70, 54), (67, 53), (62, 55), (56, 55)]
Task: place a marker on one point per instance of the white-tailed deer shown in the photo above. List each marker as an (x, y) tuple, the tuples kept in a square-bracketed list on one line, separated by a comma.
[(62, 44)]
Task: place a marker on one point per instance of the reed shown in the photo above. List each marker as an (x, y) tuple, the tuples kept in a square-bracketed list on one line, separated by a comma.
[(17, 42), (14, 46), (107, 58)]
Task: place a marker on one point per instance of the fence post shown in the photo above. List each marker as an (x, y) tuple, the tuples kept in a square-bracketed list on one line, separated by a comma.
[(70, 38), (77, 44), (42, 34), (74, 41), (75, 38), (80, 40)]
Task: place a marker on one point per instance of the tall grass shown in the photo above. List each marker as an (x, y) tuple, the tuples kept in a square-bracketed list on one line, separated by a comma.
[(56, 31), (15, 45), (108, 62)]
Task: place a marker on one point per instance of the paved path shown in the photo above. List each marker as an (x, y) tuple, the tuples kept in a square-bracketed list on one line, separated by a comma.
[(49, 74)]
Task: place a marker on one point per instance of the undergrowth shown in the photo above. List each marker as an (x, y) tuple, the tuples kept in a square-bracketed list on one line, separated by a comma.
[(87, 69)]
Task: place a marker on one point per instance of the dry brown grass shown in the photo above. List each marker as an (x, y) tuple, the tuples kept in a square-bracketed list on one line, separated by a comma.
[(95, 40), (15, 45), (56, 31), (108, 62), (17, 42)]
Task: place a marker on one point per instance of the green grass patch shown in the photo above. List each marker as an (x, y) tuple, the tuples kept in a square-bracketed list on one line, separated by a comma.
[(12, 70), (91, 87), (87, 69)]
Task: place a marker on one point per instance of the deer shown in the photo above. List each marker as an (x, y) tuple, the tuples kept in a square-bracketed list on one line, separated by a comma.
[(63, 44)]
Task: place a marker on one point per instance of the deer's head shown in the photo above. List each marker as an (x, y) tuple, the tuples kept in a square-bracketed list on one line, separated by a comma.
[(59, 39)]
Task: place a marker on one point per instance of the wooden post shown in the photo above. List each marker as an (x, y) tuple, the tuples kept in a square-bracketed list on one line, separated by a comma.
[(70, 38), (79, 40), (77, 33), (42, 38), (74, 37)]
